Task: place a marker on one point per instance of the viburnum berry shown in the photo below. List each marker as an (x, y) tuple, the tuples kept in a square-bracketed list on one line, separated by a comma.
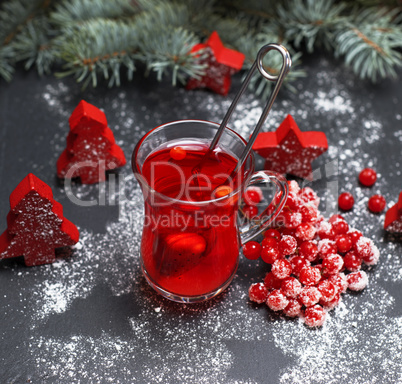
[(332, 303), (270, 254), (340, 227), (308, 195), (376, 203), (273, 233), (352, 262), (325, 231), (252, 250), (292, 219), (335, 218), (253, 195), (368, 177), (354, 235), (293, 186), (372, 258), (305, 231), (310, 275), (281, 269), (357, 281), (326, 247), (314, 316), (327, 290), (293, 201), (293, 309), (298, 263), (309, 296), (309, 213), (277, 301), (291, 287), (269, 242), (258, 293), (332, 264), (271, 282), (344, 243), (308, 250), (287, 245), (346, 201), (364, 247), (340, 282), (250, 211)]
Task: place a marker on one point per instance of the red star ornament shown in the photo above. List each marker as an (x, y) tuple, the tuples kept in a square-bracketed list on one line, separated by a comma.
[(393, 217), (221, 63), (35, 224), (289, 150)]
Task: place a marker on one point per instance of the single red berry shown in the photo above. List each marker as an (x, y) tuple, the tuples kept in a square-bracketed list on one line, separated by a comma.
[(310, 276), (326, 247), (305, 231), (327, 290), (281, 269), (258, 293), (287, 245), (293, 309), (364, 247), (340, 227), (252, 196), (309, 196), (332, 264), (352, 262), (344, 243), (277, 300), (357, 281), (273, 233), (346, 201), (298, 263), (368, 177), (354, 235), (293, 201), (292, 219), (250, 211), (335, 218), (252, 250), (271, 282), (288, 232), (332, 303), (309, 213), (325, 231), (270, 254), (309, 296), (291, 287), (376, 203), (373, 257), (269, 242), (293, 186), (314, 316), (308, 250), (177, 153), (340, 282)]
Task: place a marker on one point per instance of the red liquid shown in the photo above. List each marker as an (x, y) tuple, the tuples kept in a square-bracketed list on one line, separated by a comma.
[(189, 249)]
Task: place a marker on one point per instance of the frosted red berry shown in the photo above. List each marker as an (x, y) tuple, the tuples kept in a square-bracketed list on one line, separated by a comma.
[(258, 293), (373, 257), (308, 195), (309, 296), (298, 263), (287, 245), (354, 235), (309, 213), (271, 282), (308, 250), (352, 262), (357, 281), (252, 250), (332, 264), (325, 231), (326, 247), (292, 219), (314, 316), (270, 254), (327, 290), (305, 231), (310, 275), (364, 247), (340, 227), (277, 301), (344, 243), (293, 309), (368, 177), (335, 218), (376, 203), (293, 186), (291, 287), (346, 201), (281, 269), (340, 282), (293, 201)]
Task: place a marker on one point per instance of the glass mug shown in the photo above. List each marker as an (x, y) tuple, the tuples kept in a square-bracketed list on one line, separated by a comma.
[(190, 244)]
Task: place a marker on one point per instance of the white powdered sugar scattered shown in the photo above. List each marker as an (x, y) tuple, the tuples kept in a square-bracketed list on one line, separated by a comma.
[(360, 341)]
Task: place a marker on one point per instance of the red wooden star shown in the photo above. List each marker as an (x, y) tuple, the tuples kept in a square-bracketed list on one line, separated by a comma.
[(393, 217), (289, 150), (221, 63)]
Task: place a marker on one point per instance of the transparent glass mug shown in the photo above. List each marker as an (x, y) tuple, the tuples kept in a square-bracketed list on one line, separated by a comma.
[(190, 249)]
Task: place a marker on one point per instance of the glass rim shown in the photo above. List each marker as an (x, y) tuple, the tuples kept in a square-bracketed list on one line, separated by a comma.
[(144, 182)]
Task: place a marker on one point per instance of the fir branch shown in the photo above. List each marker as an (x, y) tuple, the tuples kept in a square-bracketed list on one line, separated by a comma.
[(371, 44), (6, 58)]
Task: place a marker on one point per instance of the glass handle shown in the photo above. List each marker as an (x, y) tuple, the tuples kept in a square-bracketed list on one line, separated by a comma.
[(254, 227)]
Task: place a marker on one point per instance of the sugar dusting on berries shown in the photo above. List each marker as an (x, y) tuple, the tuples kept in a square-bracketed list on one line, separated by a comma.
[(360, 339)]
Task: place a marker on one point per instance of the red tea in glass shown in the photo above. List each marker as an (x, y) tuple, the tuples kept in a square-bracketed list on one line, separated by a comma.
[(191, 237)]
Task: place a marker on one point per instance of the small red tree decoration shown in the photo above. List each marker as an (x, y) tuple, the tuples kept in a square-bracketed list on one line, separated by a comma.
[(91, 149), (393, 217), (36, 226)]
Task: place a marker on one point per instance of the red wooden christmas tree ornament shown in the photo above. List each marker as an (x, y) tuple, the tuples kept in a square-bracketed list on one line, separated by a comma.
[(91, 149), (393, 217), (289, 150), (221, 64), (36, 226)]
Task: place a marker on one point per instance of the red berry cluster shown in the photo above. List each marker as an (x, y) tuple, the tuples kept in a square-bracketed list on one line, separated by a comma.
[(367, 178), (313, 261)]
